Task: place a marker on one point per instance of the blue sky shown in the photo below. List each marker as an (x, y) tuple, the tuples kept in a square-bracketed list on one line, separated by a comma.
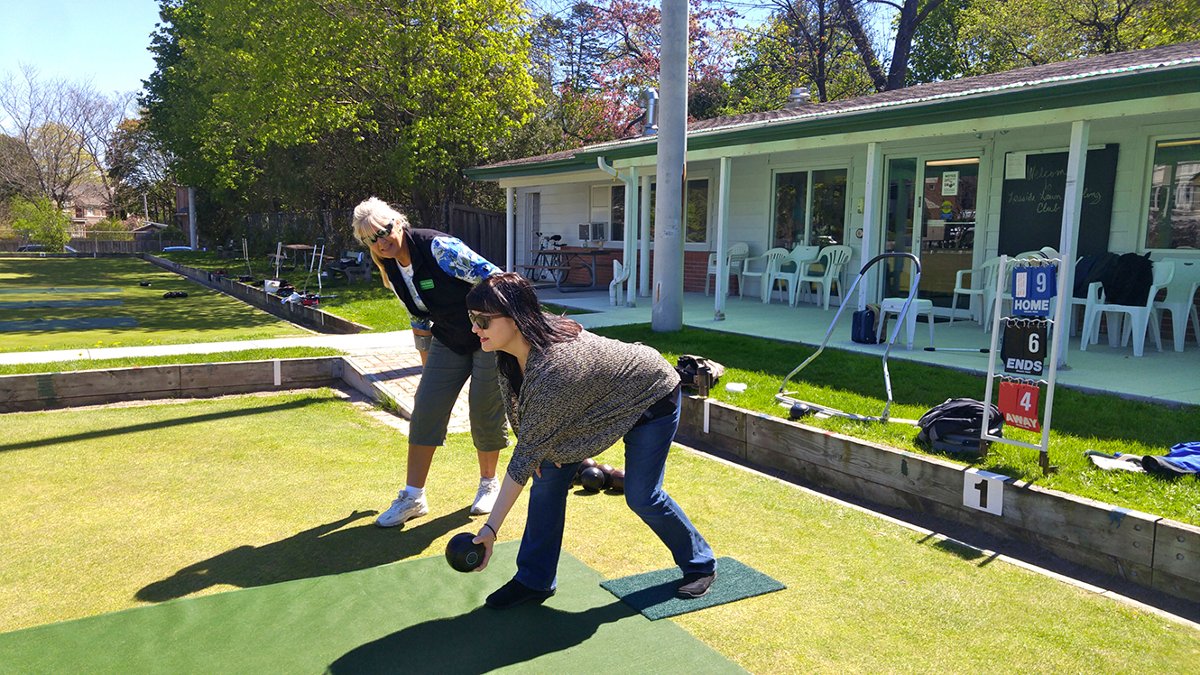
[(104, 41)]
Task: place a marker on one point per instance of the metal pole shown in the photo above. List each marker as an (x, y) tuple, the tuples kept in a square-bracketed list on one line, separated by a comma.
[(631, 233), (643, 289), (871, 202), (667, 312)]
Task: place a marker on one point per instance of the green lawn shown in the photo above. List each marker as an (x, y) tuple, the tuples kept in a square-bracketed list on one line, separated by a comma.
[(107, 307), (364, 302), (854, 382), (142, 361), (106, 508)]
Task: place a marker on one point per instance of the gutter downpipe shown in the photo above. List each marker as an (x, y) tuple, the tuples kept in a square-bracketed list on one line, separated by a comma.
[(628, 253)]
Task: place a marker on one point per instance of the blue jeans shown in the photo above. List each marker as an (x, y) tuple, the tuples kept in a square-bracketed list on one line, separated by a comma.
[(646, 447)]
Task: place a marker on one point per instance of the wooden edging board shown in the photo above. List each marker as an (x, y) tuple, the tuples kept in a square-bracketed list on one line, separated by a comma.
[(43, 391), (1146, 549), (256, 296)]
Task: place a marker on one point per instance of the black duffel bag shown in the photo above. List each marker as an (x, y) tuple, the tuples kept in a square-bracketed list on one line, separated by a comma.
[(955, 424)]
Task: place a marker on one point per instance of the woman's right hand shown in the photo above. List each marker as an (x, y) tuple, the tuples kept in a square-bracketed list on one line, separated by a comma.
[(488, 539)]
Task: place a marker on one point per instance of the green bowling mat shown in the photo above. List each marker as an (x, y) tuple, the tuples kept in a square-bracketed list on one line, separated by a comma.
[(653, 593), (412, 616)]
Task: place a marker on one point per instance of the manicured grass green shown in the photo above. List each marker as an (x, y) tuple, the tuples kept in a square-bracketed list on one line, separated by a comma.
[(364, 302), (217, 357), (854, 383), (115, 507), (204, 316)]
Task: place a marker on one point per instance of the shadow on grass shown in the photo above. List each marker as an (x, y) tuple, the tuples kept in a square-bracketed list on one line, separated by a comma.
[(157, 425), (316, 552), (493, 640)]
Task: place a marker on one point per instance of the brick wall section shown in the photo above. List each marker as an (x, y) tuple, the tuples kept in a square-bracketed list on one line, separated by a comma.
[(695, 266)]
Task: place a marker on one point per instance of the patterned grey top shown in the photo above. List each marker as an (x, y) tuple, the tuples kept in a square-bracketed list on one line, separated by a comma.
[(579, 397)]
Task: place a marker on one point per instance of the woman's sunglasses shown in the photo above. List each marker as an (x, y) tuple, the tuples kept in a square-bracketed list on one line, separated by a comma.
[(482, 320), (379, 234)]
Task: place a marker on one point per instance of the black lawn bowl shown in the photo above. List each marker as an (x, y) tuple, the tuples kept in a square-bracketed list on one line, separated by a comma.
[(462, 554), (143, 283), (607, 469), (592, 479), (175, 294), (800, 410), (616, 480), (589, 462)]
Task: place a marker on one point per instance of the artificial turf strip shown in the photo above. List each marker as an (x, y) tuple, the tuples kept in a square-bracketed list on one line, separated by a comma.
[(653, 593), (411, 616)]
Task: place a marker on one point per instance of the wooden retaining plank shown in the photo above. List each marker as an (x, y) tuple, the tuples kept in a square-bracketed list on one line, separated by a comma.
[(93, 387), (1177, 559), (1117, 541)]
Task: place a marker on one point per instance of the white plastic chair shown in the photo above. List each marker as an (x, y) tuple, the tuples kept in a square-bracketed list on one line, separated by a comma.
[(793, 266), (977, 282), (1181, 293), (834, 258), (1139, 315), (735, 256), (620, 275), (772, 259)]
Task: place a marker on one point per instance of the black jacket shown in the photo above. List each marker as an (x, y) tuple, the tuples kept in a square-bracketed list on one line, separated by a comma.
[(445, 296)]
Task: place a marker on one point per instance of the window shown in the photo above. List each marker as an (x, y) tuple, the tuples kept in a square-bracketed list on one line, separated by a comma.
[(696, 215), (1173, 215), (608, 206), (810, 208)]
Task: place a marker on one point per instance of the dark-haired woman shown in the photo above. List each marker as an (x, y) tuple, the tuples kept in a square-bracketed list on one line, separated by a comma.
[(570, 395)]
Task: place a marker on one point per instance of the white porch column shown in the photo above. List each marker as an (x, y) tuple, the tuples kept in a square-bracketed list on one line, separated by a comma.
[(871, 201), (632, 227), (667, 310), (510, 230), (722, 280), (643, 288), (1068, 241)]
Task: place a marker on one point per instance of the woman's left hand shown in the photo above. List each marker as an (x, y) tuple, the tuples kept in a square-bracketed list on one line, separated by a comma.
[(537, 471)]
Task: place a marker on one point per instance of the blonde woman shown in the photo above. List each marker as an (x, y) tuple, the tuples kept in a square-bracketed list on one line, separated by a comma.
[(431, 273)]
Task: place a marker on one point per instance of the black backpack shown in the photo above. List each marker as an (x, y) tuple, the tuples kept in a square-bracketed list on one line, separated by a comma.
[(954, 425), (1130, 281), (1092, 268), (689, 366)]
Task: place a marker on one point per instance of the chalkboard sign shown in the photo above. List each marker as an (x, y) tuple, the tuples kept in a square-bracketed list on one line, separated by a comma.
[(1031, 208)]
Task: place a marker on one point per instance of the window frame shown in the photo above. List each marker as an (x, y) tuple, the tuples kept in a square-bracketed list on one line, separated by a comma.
[(808, 169), (1148, 192)]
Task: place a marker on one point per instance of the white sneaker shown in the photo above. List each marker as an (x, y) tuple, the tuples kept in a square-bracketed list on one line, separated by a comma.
[(403, 508), (485, 497)]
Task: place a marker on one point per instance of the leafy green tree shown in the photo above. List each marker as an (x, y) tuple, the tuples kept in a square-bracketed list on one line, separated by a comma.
[(110, 229), (403, 95), (139, 171), (40, 221), (973, 37)]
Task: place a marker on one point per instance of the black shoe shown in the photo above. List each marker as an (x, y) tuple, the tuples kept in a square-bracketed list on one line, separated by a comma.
[(695, 585), (515, 593)]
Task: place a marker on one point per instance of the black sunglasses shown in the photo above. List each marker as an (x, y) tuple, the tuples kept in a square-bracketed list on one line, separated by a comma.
[(482, 320), (379, 234)]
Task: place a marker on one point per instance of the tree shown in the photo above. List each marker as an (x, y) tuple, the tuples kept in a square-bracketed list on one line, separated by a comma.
[(911, 14), (61, 129), (408, 93), (599, 59), (972, 37), (41, 221), (803, 43), (139, 167)]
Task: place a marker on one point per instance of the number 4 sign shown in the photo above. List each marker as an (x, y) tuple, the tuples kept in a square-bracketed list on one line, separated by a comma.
[(1019, 404)]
